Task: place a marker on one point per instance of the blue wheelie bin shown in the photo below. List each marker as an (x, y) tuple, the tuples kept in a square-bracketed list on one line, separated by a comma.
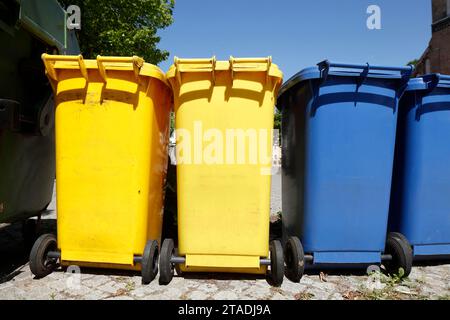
[(338, 138), (420, 202)]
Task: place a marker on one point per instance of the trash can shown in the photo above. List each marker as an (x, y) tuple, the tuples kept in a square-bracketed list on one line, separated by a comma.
[(112, 128), (27, 140), (224, 115), (338, 137), (421, 186)]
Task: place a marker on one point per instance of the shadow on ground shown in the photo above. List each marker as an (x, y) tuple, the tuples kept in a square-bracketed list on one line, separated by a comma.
[(14, 250), (219, 276), (14, 253)]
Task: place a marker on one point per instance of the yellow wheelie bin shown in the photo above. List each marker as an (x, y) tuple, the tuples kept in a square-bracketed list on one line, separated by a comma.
[(224, 115), (112, 129)]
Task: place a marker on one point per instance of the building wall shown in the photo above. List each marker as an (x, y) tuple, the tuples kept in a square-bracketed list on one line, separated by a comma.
[(439, 8), (436, 58)]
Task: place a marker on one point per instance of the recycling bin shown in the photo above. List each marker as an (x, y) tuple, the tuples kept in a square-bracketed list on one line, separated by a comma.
[(224, 116), (112, 128), (338, 136), (27, 139), (420, 207)]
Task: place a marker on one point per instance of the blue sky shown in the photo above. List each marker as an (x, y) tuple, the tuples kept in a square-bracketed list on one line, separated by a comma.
[(298, 33)]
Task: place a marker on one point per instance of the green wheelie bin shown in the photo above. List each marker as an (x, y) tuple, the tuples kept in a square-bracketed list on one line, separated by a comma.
[(28, 28)]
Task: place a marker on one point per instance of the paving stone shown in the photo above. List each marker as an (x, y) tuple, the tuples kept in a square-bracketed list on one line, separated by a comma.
[(198, 295), (93, 295), (258, 292), (225, 295), (139, 292), (120, 298), (430, 282), (97, 281), (335, 296), (111, 287)]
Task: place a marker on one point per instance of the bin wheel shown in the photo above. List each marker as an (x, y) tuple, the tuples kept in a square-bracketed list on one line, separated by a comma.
[(294, 256), (149, 268), (400, 250), (40, 264), (166, 268), (276, 273), (399, 236), (177, 266), (29, 232)]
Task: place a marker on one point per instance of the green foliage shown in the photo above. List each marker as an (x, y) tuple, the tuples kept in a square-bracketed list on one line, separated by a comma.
[(413, 62), (130, 286), (279, 214), (395, 279), (389, 291), (277, 120), (277, 123), (172, 122), (123, 27)]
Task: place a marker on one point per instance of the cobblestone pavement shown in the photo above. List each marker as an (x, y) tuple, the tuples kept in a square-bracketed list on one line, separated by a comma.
[(16, 280)]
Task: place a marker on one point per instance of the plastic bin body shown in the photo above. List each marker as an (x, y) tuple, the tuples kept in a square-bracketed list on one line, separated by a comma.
[(338, 137), (224, 203), (112, 122), (420, 196)]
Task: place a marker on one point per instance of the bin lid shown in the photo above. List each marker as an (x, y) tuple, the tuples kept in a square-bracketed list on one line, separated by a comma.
[(54, 62), (326, 68), (233, 64), (429, 82)]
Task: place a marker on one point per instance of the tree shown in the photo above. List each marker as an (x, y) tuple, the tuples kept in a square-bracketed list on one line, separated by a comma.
[(413, 62), (277, 123), (123, 27), (277, 119)]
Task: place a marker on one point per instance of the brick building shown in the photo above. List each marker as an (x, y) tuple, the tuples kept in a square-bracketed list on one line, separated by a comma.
[(436, 57)]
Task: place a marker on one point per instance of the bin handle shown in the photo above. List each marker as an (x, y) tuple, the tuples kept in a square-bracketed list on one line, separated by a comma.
[(329, 64), (212, 61), (49, 63), (235, 61), (326, 65), (444, 77), (432, 80), (136, 61), (405, 72)]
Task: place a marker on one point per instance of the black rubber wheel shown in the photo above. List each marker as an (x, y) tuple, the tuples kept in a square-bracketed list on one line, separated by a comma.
[(177, 266), (399, 236), (149, 268), (40, 264), (29, 232), (294, 257), (276, 273), (401, 252), (166, 268)]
